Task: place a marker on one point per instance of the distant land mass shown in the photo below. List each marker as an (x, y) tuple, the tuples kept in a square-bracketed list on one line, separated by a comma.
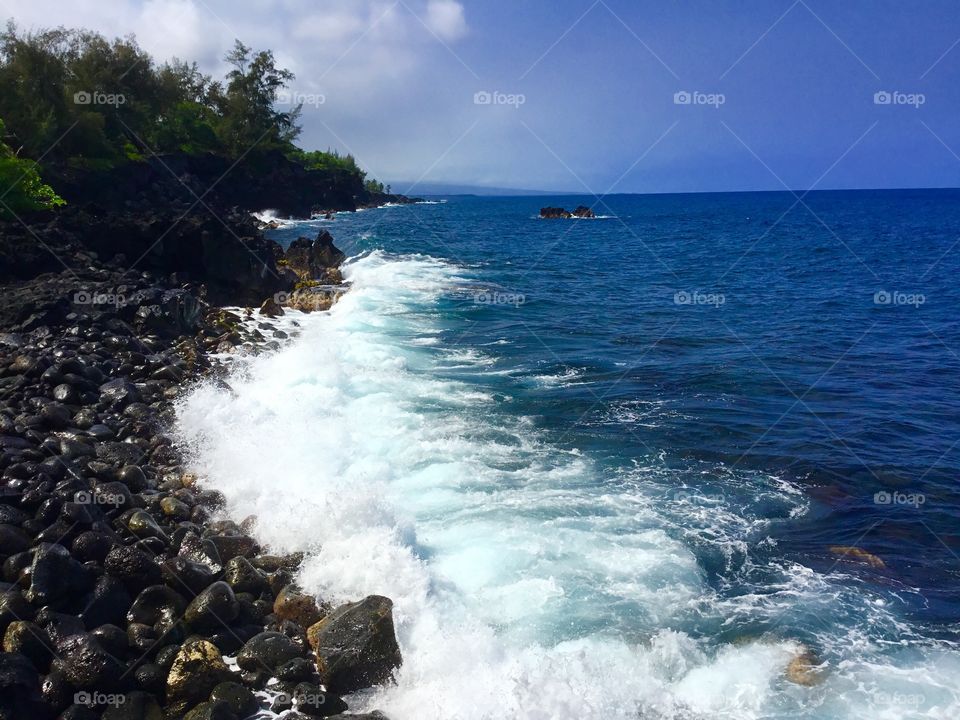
[(427, 188)]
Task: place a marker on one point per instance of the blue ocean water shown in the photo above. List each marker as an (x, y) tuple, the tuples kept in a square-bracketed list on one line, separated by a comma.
[(607, 468)]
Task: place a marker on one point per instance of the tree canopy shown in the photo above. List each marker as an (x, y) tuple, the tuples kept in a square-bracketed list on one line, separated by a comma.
[(75, 98)]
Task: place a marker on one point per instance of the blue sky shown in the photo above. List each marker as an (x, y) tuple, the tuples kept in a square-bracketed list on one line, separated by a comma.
[(583, 94)]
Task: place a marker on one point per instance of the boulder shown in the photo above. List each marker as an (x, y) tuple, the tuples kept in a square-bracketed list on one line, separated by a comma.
[(87, 665), (197, 669), (268, 650), (311, 259), (294, 604), (55, 577), (356, 645), (213, 609), (271, 308)]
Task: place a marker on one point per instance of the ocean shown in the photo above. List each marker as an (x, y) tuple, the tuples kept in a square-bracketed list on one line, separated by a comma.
[(617, 468)]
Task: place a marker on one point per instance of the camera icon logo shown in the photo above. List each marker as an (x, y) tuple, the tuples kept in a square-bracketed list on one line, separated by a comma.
[(682, 98), (82, 98), (482, 98), (882, 498), (882, 97)]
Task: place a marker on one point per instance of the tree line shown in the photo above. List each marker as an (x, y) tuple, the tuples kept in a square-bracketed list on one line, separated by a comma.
[(75, 98)]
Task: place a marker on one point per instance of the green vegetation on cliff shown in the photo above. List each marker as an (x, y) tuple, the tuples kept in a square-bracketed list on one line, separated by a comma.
[(74, 99), (21, 189)]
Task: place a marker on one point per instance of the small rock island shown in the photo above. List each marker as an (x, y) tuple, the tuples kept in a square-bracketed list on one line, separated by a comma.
[(553, 213)]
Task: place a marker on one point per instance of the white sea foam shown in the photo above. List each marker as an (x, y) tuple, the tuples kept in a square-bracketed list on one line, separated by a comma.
[(527, 584)]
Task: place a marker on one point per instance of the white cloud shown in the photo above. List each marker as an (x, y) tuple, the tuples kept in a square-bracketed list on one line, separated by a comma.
[(446, 19), (392, 93)]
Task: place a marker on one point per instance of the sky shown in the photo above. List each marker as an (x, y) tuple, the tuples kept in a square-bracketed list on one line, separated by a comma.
[(598, 96)]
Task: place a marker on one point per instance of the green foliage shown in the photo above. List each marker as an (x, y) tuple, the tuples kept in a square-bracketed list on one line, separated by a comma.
[(74, 98), (21, 189)]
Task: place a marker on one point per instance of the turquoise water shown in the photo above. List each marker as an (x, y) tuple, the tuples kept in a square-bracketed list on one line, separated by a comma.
[(600, 464)]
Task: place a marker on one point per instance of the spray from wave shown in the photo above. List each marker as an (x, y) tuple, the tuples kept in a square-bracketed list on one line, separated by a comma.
[(526, 583)]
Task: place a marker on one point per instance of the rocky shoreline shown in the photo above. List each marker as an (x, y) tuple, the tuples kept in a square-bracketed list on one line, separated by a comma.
[(124, 586)]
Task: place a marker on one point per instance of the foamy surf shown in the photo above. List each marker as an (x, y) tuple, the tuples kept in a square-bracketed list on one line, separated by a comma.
[(526, 583)]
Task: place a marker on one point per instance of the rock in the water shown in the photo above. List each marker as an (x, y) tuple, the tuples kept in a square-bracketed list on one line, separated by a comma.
[(805, 668), (271, 308), (356, 645), (197, 669), (552, 213), (846, 552)]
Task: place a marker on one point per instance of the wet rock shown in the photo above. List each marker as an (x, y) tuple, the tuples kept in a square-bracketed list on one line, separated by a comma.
[(201, 551), (213, 608), (13, 606), (136, 705), (294, 604), (311, 700), (356, 645), (87, 665), (244, 577), (186, 576), (241, 701), (91, 546), (211, 711), (174, 508), (296, 670), (267, 650), (151, 677), (135, 568), (31, 641), (231, 546), (196, 670), (271, 308), (112, 639), (157, 604), (805, 668), (59, 626), (107, 604), (133, 477), (855, 554), (55, 577), (13, 540), (19, 686)]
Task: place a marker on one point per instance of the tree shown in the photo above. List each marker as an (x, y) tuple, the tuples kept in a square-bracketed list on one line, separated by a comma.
[(247, 105)]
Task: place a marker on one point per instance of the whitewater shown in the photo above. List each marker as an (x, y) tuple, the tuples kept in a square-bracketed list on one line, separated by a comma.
[(526, 582)]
